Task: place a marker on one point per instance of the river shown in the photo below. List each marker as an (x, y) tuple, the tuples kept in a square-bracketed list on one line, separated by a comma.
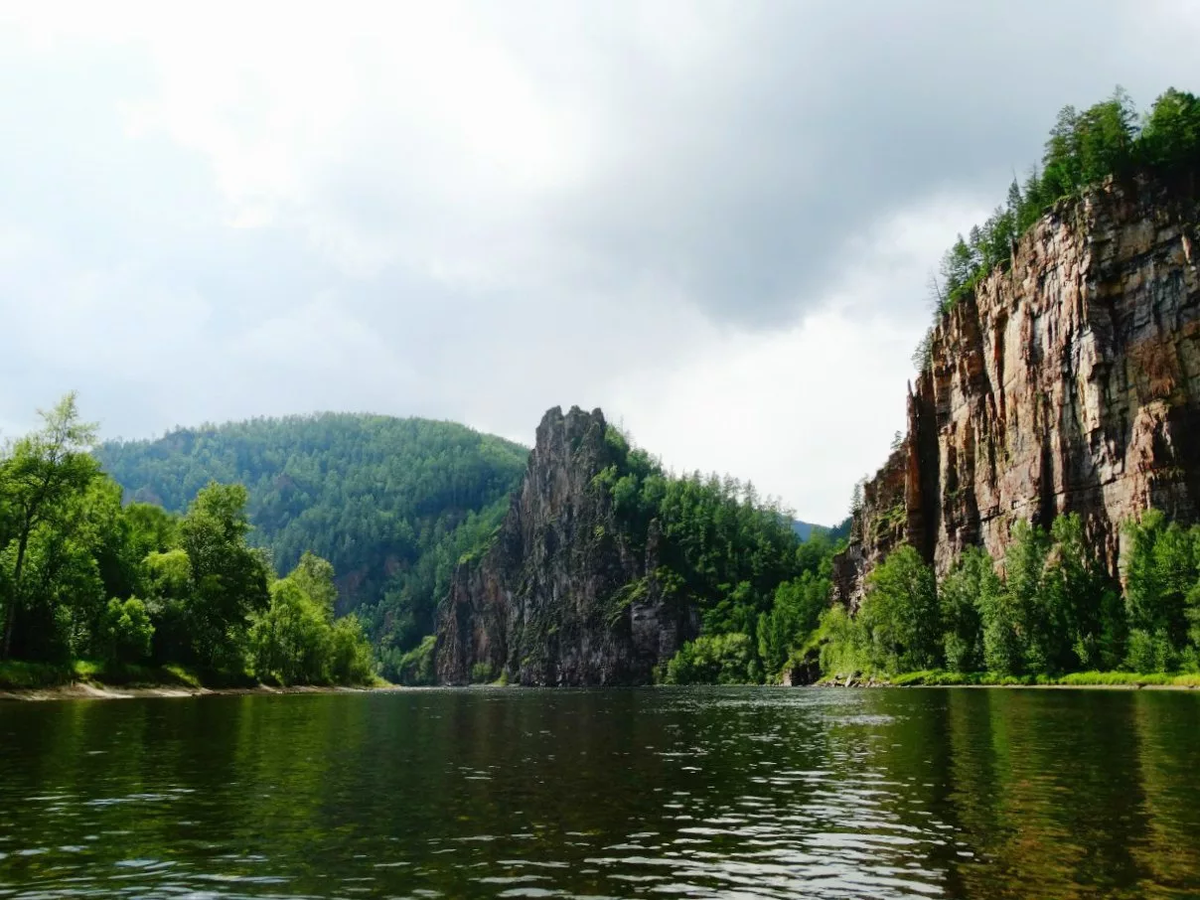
[(735, 792)]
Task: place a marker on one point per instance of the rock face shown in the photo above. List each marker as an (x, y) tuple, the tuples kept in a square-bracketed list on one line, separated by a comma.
[(561, 597), (1070, 383)]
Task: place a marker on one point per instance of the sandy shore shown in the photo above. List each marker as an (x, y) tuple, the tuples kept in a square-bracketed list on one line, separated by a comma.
[(84, 691)]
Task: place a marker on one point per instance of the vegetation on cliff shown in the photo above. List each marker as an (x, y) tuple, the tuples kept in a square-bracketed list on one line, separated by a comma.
[(1084, 148), (758, 589), (392, 503), (84, 577), (1054, 611)]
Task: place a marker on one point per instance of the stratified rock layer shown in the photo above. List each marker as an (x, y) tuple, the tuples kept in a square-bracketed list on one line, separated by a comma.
[(1070, 383), (561, 597)]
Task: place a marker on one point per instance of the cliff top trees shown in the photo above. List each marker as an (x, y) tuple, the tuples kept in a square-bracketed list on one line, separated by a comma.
[(1083, 149)]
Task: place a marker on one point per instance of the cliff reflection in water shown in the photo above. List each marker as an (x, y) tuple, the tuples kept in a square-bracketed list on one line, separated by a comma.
[(709, 793)]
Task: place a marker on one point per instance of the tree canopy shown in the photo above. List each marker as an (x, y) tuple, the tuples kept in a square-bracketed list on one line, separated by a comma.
[(83, 576), (391, 503)]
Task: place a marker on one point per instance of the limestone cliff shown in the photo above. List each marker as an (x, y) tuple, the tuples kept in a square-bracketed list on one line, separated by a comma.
[(562, 597), (1069, 383)]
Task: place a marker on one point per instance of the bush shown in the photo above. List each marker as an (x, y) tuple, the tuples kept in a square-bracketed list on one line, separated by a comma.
[(843, 644), (416, 667), (715, 659), (350, 658), (127, 631)]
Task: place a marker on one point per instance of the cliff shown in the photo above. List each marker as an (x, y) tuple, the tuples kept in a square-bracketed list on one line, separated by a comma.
[(1068, 383), (562, 596)]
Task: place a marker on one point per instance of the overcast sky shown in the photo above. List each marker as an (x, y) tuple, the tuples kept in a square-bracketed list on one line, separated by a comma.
[(714, 220)]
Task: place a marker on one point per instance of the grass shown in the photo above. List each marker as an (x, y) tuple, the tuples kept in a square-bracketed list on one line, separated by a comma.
[(24, 676), (18, 675), (938, 677)]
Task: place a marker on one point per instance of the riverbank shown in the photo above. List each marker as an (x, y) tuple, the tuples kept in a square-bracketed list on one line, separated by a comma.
[(84, 680), (939, 678)]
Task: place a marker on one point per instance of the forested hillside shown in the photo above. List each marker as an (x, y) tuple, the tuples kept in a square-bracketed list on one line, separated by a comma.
[(89, 585), (391, 503), (609, 569)]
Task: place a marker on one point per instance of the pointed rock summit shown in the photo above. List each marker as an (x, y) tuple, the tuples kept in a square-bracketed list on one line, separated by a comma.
[(561, 597)]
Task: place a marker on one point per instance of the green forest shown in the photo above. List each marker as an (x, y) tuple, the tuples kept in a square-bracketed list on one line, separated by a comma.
[(759, 589), (1054, 612), (135, 593), (392, 503)]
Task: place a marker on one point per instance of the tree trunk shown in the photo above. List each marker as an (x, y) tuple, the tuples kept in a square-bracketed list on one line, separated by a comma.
[(10, 615)]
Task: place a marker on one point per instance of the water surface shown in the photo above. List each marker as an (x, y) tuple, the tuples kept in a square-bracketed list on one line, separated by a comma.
[(637, 793)]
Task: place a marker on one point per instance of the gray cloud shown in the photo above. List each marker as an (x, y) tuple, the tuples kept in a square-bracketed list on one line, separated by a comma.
[(613, 188)]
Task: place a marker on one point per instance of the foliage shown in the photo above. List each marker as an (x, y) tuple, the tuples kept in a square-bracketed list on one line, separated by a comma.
[(734, 555), (1056, 610), (958, 594), (296, 640), (1083, 149), (228, 577), (84, 578), (843, 642), (900, 616), (415, 667), (42, 477), (351, 659), (1162, 593), (391, 503), (796, 611), (127, 631), (715, 659)]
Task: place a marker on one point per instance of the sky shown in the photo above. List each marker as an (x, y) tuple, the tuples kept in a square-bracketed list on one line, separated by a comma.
[(714, 220)]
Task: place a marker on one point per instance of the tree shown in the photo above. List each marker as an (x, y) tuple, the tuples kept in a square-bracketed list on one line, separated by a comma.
[(900, 613), (1040, 620), (794, 614), (958, 597), (296, 640), (1089, 602), (228, 577), (714, 659), (314, 576), (39, 473), (1171, 132), (127, 631), (290, 640)]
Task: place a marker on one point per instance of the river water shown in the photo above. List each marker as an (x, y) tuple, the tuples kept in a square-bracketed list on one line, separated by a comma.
[(737, 792)]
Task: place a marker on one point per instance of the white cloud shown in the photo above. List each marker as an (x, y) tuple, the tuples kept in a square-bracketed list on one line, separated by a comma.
[(713, 219)]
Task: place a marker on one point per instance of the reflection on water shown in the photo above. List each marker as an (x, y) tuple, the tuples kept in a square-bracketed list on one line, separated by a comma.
[(664, 793)]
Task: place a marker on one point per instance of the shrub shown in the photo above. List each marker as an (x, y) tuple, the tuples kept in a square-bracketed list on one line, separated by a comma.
[(714, 659), (127, 631)]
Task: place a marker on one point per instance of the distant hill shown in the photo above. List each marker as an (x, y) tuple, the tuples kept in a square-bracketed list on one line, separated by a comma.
[(392, 503), (804, 530)]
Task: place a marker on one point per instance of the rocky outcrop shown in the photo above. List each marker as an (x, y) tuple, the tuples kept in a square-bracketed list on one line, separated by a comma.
[(562, 596), (1069, 383)]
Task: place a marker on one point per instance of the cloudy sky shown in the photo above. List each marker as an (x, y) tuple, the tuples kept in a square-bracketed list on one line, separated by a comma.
[(715, 220)]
